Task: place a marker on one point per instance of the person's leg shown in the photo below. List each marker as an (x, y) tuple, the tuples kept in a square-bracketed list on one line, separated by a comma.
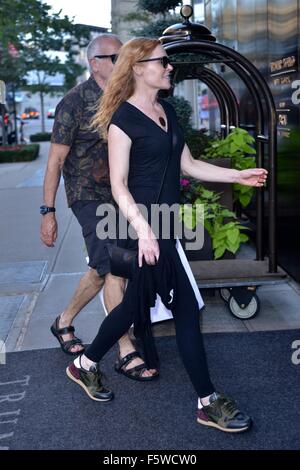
[(89, 286), (113, 294), (216, 410), (113, 327), (85, 370), (85, 212), (188, 335)]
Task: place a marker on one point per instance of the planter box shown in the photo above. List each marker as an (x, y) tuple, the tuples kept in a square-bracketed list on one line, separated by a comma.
[(19, 153), (224, 188), (205, 253)]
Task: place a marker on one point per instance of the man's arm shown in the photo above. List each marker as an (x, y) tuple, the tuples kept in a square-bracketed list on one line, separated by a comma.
[(56, 159), (206, 172)]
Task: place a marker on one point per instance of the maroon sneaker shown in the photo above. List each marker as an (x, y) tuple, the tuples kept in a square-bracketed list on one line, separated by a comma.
[(222, 413), (90, 381)]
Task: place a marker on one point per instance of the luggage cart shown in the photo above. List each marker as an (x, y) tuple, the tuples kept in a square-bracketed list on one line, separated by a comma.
[(237, 279)]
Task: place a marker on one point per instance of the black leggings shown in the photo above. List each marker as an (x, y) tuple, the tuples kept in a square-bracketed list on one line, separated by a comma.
[(186, 318)]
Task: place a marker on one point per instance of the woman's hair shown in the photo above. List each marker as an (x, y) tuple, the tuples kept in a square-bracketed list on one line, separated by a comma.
[(121, 83)]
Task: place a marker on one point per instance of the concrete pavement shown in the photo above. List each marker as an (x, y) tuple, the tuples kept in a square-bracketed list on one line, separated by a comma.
[(36, 282)]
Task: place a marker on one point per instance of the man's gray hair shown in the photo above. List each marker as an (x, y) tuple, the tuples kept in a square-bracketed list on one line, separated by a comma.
[(94, 46)]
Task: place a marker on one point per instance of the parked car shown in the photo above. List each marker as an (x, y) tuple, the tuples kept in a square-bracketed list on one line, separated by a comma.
[(30, 113), (51, 113)]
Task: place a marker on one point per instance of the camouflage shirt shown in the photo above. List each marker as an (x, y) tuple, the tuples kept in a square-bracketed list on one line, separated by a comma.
[(85, 170)]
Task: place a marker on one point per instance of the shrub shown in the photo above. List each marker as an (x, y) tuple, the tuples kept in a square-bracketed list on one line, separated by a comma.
[(198, 141), (183, 110), (18, 153), (40, 137)]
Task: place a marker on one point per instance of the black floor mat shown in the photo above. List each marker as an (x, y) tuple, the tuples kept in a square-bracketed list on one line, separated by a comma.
[(40, 408)]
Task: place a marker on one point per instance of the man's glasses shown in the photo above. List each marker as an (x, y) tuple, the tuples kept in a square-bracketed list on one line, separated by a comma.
[(112, 57), (164, 60)]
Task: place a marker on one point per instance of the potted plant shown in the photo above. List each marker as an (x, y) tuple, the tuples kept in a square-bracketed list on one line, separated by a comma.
[(237, 147), (219, 222)]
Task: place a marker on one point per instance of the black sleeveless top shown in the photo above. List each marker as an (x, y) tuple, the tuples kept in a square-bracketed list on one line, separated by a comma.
[(149, 152)]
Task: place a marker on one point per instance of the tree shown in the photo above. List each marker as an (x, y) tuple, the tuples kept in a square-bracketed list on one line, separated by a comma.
[(32, 40), (163, 6), (154, 26), (56, 35), (155, 29)]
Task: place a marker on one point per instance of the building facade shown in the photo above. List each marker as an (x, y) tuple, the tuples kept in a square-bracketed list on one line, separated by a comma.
[(267, 32), (119, 26)]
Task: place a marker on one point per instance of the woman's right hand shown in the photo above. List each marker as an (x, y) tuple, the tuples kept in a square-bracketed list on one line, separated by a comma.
[(148, 248)]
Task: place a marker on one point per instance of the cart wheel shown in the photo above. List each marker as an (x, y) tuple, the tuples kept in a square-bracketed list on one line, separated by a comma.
[(225, 294), (247, 311)]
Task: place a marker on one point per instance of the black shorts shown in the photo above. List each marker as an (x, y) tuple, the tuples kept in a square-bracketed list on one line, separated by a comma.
[(85, 213)]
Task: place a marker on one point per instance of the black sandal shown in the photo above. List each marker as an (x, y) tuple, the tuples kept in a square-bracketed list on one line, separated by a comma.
[(135, 373), (66, 345)]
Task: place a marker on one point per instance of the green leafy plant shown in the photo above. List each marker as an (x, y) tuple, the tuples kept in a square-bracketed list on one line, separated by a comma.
[(237, 146), (221, 223)]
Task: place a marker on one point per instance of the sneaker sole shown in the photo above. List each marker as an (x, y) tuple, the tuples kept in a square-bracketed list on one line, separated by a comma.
[(85, 388), (214, 425)]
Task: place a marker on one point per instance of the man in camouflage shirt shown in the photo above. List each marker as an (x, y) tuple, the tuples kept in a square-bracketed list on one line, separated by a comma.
[(80, 153)]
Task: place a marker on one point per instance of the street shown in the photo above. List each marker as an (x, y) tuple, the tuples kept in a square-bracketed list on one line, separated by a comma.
[(33, 126)]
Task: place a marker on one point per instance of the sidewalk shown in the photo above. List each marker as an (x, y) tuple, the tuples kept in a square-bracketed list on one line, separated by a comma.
[(36, 282)]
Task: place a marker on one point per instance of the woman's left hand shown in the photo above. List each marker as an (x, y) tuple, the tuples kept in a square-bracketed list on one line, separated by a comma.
[(253, 177)]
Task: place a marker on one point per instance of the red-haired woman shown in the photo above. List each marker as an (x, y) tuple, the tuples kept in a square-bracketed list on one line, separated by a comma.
[(143, 133)]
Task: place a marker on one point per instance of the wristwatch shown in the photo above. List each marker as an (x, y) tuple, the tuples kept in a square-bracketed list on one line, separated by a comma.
[(45, 210)]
